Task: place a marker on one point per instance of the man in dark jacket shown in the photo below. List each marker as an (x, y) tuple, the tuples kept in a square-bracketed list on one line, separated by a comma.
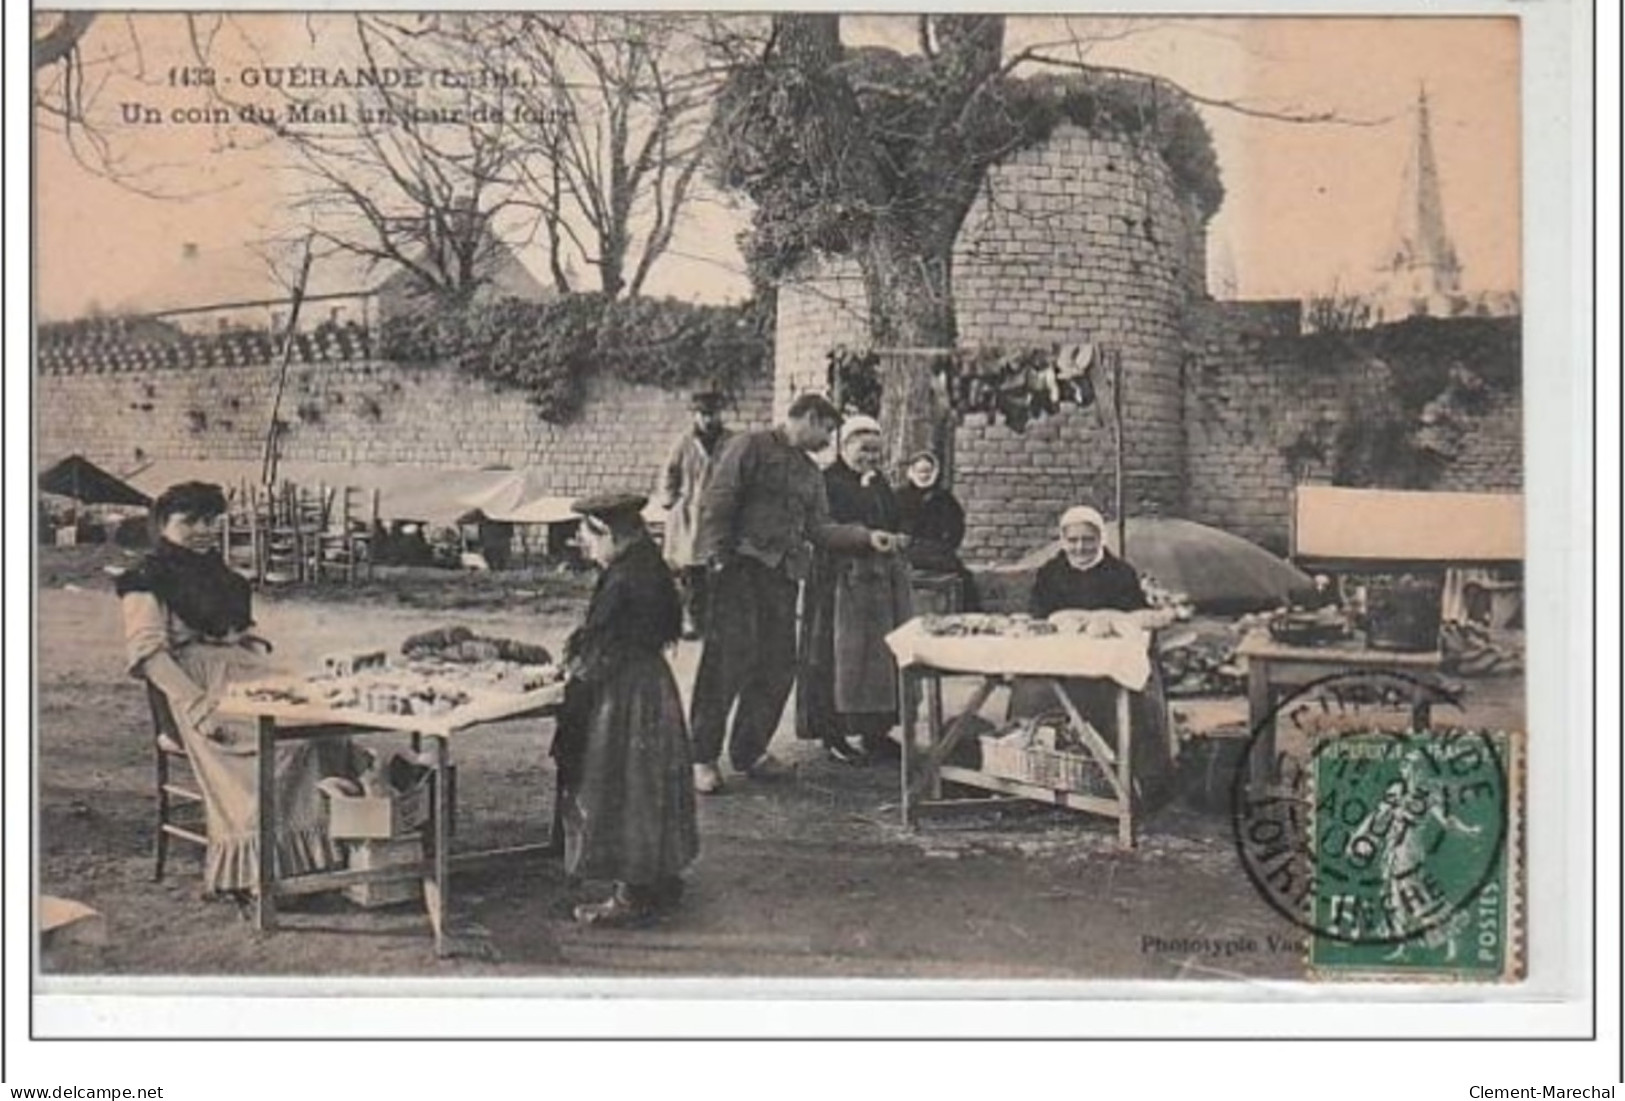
[(765, 505)]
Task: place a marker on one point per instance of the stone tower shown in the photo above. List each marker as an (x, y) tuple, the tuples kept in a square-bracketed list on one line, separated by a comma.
[(1085, 238)]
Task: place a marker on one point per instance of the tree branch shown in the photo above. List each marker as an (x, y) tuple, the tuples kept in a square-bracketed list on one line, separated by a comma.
[(62, 39)]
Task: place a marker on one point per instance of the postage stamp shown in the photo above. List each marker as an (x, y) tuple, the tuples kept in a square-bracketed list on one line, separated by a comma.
[(1414, 845), (1394, 843)]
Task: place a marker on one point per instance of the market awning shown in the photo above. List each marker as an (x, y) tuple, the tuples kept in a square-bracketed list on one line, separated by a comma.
[(430, 494), (79, 478), (1339, 526), (526, 497)]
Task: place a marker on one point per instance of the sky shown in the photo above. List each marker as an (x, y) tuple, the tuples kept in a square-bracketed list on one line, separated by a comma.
[(1307, 208)]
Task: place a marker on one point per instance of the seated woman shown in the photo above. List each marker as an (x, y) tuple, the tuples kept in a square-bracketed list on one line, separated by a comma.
[(625, 772), (1085, 575), (935, 525), (847, 686), (186, 622)]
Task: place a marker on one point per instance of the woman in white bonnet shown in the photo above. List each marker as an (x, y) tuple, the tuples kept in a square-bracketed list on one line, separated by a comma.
[(1085, 575), (847, 693)]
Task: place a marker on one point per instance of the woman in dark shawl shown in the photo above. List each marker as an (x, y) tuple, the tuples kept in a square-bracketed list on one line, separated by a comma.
[(1085, 575), (847, 686), (934, 522), (622, 750), (187, 617)]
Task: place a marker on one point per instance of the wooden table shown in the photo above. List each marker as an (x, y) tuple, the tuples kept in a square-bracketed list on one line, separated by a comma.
[(996, 662), (281, 721), (1274, 669), (923, 773)]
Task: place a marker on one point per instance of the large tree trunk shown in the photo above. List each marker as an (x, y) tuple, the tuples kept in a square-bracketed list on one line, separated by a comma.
[(909, 287)]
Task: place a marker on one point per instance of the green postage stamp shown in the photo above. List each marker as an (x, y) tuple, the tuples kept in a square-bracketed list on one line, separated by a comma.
[(1417, 856)]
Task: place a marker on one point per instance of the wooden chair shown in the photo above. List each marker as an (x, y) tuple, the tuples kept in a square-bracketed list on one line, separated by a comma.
[(172, 795)]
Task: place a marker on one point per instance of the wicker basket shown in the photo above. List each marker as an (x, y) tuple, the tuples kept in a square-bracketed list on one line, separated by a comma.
[(1045, 768)]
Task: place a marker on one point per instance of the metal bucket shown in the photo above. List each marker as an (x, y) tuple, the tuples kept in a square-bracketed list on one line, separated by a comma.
[(1402, 613)]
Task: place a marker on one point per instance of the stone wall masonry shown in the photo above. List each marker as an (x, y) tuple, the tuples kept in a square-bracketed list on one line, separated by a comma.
[(366, 413), (1250, 393), (1081, 239)]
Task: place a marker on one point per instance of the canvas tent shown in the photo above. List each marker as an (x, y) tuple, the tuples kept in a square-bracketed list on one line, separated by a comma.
[(406, 492), (524, 497), (78, 478)]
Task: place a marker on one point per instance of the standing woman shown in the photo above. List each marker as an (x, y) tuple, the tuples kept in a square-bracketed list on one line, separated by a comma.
[(622, 750), (186, 630), (934, 521), (854, 598)]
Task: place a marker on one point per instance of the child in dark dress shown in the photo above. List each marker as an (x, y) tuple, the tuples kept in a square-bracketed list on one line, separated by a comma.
[(622, 749)]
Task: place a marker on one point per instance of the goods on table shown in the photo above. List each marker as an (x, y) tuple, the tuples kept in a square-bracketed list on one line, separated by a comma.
[(1474, 651), (1305, 627), (1163, 598), (459, 644), (1200, 660), (343, 665), (1089, 624), (443, 671)]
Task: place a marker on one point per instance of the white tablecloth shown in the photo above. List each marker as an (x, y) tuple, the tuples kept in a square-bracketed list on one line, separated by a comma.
[(1125, 660)]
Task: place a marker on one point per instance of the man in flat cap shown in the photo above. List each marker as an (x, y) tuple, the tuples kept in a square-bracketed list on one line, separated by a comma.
[(683, 479), (762, 512)]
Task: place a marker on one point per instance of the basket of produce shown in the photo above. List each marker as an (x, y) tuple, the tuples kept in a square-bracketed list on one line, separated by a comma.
[(1045, 752)]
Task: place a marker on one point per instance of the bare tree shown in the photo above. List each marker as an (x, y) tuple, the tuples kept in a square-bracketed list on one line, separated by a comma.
[(423, 176), (613, 118), (89, 68), (57, 35)]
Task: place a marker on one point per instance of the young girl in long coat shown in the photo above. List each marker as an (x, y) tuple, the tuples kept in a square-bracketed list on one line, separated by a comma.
[(622, 749)]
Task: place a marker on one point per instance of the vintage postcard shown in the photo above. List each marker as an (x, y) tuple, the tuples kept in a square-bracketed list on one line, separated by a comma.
[(791, 496)]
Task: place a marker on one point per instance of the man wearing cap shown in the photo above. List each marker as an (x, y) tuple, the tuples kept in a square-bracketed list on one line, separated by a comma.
[(762, 512), (683, 479)]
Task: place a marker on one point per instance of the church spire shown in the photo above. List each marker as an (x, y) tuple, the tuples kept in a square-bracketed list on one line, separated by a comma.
[(1420, 261)]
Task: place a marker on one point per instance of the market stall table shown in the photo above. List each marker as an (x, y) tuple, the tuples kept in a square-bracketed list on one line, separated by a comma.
[(281, 720), (1274, 668), (997, 661)]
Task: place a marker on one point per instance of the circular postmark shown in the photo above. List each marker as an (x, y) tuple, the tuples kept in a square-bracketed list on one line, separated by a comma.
[(1361, 821)]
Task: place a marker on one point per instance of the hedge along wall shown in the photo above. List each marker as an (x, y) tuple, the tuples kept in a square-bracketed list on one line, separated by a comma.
[(1080, 239), (1267, 409), (370, 412)]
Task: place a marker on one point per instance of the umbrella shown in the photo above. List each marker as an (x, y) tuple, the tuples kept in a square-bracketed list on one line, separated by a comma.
[(1217, 570), (87, 483)]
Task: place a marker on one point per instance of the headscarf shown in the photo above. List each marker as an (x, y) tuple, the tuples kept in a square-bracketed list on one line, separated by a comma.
[(1083, 514), (936, 469), (857, 425), (854, 427)]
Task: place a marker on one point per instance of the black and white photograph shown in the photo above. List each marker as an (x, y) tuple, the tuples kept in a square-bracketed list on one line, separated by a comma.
[(788, 496)]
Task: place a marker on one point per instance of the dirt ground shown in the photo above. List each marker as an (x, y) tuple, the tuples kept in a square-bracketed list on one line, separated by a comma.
[(810, 877)]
